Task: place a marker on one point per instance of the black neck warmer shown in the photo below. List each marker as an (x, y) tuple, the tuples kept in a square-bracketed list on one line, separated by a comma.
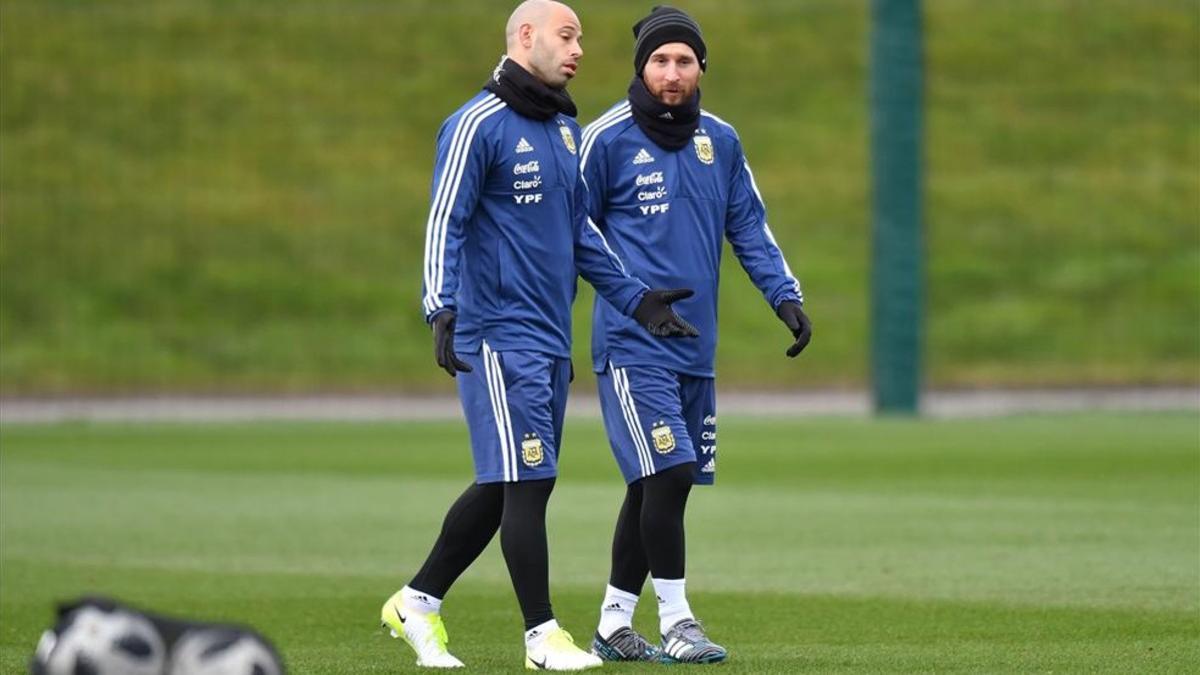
[(669, 126), (526, 94)]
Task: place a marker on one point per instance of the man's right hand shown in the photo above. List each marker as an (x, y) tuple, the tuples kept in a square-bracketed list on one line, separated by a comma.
[(443, 343), (654, 313)]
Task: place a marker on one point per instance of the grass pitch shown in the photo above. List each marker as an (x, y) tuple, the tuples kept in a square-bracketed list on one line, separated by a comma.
[(1028, 544)]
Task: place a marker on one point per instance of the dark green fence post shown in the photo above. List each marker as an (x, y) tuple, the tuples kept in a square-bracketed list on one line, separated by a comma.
[(897, 276)]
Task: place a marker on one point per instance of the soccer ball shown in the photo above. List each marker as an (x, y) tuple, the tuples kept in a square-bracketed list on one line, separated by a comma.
[(99, 642), (223, 651)]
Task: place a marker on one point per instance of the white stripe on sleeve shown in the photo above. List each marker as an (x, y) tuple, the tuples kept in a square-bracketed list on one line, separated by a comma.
[(447, 191), (770, 236)]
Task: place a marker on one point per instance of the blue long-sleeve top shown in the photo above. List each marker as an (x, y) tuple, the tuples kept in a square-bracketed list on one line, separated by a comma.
[(666, 214), (508, 231)]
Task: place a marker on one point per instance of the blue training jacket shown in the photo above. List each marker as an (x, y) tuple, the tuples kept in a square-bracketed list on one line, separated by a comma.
[(508, 231), (666, 214)]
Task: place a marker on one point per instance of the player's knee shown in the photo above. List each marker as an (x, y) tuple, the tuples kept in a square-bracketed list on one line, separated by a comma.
[(633, 492), (485, 491), (677, 479), (529, 490)]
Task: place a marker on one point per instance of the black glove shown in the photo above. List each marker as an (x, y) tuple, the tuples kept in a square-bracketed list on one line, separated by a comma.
[(793, 316), (443, 343), (655, 314)]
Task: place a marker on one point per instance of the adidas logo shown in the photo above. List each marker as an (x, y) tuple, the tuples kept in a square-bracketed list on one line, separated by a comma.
[(666, 116), (523, 146), (615, 607), (642, 157), (710, 467)]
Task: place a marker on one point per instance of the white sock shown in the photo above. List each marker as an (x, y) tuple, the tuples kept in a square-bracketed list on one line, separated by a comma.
[(535, 636), (616, 611), (672, 603), (418, 602)]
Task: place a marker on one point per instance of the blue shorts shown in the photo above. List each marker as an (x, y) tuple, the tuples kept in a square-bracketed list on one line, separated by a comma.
[(514, 403), (657, 418)]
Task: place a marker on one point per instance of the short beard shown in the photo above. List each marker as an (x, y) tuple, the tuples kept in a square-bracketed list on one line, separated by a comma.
[(661, 95)]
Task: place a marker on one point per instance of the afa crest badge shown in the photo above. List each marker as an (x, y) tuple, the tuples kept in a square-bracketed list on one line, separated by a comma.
[(568, 138), (531, 450), (704, 148), (664, 438)]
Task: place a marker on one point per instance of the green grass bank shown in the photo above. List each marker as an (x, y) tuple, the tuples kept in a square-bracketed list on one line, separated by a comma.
[(216, 196)]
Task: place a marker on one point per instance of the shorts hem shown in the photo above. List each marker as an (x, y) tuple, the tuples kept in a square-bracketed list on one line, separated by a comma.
[(499, 478), (540, 475), (659, 469)]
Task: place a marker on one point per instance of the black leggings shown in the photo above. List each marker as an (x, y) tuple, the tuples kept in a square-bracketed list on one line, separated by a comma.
[(518, 510), (649, 536)]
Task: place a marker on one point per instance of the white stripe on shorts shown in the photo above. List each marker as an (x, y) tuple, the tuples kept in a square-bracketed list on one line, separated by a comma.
[(495, 378), (632, 421)]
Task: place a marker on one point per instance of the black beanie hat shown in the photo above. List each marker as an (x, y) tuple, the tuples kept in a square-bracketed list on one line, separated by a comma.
[(664, 25)]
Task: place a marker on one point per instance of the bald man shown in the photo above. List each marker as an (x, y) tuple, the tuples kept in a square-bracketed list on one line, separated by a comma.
[(506, 237)]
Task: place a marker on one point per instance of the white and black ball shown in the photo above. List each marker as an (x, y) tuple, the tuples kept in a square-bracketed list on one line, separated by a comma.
[(223, 651), (93, 641)]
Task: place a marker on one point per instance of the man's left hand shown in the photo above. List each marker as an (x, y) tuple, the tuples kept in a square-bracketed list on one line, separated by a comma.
[(655, 314), (793, 316)]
